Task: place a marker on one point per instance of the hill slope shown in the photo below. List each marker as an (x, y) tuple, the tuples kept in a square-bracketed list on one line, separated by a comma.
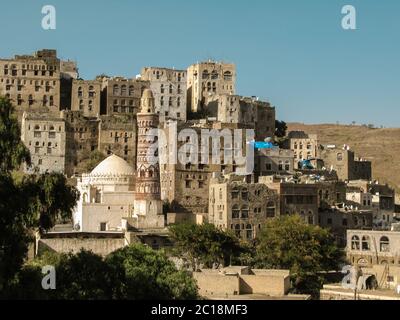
[(381, 146)]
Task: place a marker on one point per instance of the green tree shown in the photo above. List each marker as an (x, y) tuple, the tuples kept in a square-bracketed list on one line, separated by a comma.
[(306, 250), (204, 244), (143, 273), (95, 158), (27, 204)]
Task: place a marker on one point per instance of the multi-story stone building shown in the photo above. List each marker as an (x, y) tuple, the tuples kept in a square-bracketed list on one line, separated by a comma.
[(367, 247), (305, 146), (339, 220), (184, 184), (295, 198), (121, 96), (226, 108), (82, 138), (32, 82), (357, 198), (85, 97), (241, 206), (169, 90), (343, 161), (383, 200), (274, 161), (208, 78), (117, 135), (45, 137)]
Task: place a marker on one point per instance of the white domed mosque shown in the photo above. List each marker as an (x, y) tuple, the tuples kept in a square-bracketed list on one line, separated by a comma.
[(113, 193), (106, 196)]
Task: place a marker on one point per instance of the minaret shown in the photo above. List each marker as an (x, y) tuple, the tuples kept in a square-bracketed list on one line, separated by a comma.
[(148, 205)]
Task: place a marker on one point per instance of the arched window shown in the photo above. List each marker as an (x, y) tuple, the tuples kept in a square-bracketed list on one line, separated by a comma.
[(91, 92), (214, 75), (206, 74), (355, 243), (131, 90), (115, 90), (366, 245), (123, 90), (340, 157), (80, 92), (228, 76), (384, 244)]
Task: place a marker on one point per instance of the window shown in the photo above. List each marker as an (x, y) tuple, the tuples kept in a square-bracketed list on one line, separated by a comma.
[(228, 76), (287, 165), (235, 212), (384, 244), (205, 74), (103, 226), (355, 243), (91, 92), (115, 90), (280, 165), (365, 244), (270, 209), (249, 231), (235, 194), (339, 157), (131, 90), (214, 75), (245, 212), (123, 90)]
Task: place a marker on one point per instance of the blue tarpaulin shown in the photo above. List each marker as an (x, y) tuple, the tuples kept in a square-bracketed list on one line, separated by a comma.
[(263, 145)]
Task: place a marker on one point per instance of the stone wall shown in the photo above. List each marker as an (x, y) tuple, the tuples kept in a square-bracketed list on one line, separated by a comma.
[(102, 245)]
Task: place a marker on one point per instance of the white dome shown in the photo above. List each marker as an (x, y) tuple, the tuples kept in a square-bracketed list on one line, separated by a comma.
[(113, 166)]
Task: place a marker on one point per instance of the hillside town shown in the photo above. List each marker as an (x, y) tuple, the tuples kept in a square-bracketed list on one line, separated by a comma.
[(218, 158)]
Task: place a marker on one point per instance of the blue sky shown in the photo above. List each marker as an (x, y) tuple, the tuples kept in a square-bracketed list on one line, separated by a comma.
[(293, 53)]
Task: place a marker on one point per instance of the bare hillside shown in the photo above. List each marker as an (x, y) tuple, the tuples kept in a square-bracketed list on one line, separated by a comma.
[(381, 146)]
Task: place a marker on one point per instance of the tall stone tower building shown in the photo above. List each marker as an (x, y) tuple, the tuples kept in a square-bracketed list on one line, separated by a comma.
[(205, 79), (148, 204)]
